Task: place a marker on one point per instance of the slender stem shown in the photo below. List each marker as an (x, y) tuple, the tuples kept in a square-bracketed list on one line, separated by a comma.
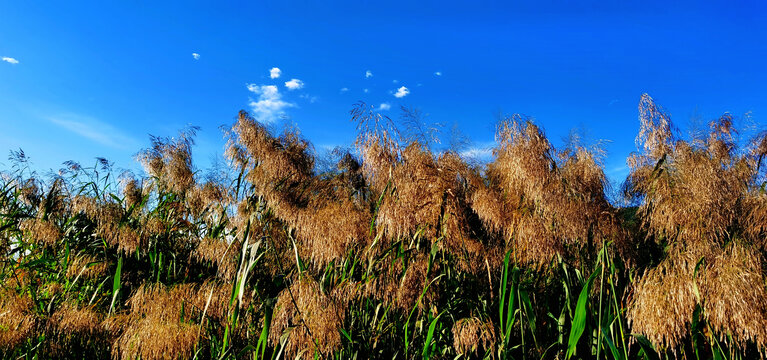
[(601, 282), (521, 321), (620, 316)]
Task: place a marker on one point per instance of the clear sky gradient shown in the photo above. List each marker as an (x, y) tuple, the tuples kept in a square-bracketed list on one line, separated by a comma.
[(84, 79)]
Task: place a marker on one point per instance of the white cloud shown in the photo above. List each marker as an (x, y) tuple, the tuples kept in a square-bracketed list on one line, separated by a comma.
[(269, 103), (312, 99), (294, 84), (394, 81), (402, 92), (366, 91), (482, 151), (196, 56), (94, 130), (438, 73), (384, 107), (344, 89), (477, 153), (10, 60), (275, 72), (368, 74)]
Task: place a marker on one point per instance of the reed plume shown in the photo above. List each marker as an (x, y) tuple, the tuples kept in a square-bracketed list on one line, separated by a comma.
[(697, 198)]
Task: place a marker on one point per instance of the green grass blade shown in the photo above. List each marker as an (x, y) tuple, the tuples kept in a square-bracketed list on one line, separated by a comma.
[(579, 320), (430, 336), (116, 283), (647, 349), (614, 350)]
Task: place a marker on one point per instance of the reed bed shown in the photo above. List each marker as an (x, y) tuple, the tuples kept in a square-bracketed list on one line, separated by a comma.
[(398, 251)]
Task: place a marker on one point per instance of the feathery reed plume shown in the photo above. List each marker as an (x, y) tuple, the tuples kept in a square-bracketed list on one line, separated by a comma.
[(220, 254), (325, 217), (697, 199), (312, 318), (164, 323), (205, 198), (414, 281), (472, 336), (17, 320), (423, 193), (132, 192), (169, 161), (726, 283), (378, 141), (151, 339), (544, 202), (87, 266), (664, 300), (656, 132), (29, 192), (75, 330), (399, 284), (108, 217), (734, 297), (42, 232)]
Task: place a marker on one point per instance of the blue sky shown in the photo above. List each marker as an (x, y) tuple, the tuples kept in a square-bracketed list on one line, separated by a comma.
[(85, 79)]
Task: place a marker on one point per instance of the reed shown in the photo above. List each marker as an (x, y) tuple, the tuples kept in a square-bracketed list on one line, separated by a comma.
[(397, 251)]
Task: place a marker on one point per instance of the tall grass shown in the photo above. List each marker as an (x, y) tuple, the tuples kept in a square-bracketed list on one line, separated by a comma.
[(397, 252)]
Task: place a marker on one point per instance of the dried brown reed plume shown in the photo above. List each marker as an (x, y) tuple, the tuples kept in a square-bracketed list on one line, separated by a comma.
[(132, 192), (429, 197), (542, 201), (42, 232), (694, 197), (220, 254), (327, 220), (164, 323), (310, 318), (74, 329), (29, 192), (108, 217), (169, 161), (86, 267), (378, 142), (472, 336), (423, 194), (17, 320), (401, 282), (208, 198)]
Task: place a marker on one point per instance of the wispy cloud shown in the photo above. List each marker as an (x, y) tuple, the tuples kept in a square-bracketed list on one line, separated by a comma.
[(95, 130), (438, 73), (269, 103), (10, 60), (621, 169), (402, 92), (384, 107), (482, 151), (294, 84), (394, 81), (311, 98), (275, 72), (365, 91), (477, 153), (344, 89), (196, 56), (368, 74)]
